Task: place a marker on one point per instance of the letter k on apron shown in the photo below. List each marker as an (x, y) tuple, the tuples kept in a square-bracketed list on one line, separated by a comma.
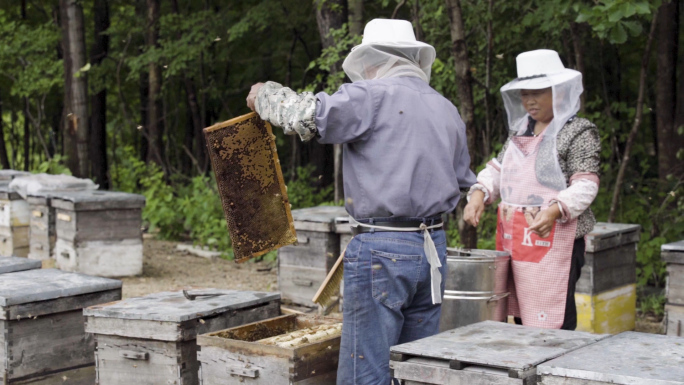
[(540, 267)]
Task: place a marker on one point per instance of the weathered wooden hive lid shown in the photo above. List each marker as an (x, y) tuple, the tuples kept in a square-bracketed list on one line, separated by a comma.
[(97, 200), (14, 264), (174, 307), (673, 252), (497, 344), (319, 218), (7, 194), (49, 284), (8, 175), (611, 235), (628, 358)]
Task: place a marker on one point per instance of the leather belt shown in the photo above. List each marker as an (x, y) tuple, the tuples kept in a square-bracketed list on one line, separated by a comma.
[(398, 224)]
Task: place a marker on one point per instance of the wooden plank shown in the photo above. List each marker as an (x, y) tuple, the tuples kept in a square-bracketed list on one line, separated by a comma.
[(672, 257), (14, 264), (160, 363), (46, 344), (299, 284), (14, 213), (498, 344), (427, 371), (674, 320), (14, 241), (98, 225), (96, 200), (320, 251), (220, 367), (78, 376), (121, 258), (319, 214), (76, 302), (595, 282), (654, 360), (675, 284), (609, 235), (49, 284), (612, 311), (179, 331), (172, 306)]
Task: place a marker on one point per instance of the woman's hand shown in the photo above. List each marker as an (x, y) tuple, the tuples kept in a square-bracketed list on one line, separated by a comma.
[(544, 221), (474, 209), (251, 97)]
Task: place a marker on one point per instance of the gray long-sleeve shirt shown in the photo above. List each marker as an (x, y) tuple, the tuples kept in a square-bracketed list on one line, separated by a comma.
[(405, 151)]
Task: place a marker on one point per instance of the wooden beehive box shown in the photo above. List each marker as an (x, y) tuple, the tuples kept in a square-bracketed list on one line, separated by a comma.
[(487, 352), (6, 176), (14, 264), (606, 291), (673, 255), (151, 340), (14, 223), (99, 232), (302, 268), (42, 332), (235, 356), (628, 359), (42, 228)]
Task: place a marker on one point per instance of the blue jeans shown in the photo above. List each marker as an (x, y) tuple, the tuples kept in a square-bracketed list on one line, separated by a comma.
[(387, 301)]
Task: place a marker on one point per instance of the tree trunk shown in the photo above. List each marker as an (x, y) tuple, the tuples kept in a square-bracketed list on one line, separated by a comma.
[(193, 132), (637, 119), (154, 110), (578, 48), (4, 160), (98, 118), (355, 17), (669, 141), (76, 135), (465, 96), (330, 14)]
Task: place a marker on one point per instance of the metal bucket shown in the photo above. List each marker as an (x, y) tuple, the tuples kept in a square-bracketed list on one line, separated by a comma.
[(476, 287)]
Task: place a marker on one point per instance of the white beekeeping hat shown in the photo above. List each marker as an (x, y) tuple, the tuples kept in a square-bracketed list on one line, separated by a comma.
[(389, 48)]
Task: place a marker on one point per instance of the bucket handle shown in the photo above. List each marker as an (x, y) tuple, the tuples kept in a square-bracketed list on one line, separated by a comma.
[(494, 297)]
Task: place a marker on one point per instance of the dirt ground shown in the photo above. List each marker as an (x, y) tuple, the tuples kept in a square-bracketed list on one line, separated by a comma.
[(168, 269), (165, 269)]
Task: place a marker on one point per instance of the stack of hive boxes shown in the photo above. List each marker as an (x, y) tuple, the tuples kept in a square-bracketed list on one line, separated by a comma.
[(42, 329), (303, 268), (14, 223), (673, 255), (151, 340), (606, 290), (99, 232)]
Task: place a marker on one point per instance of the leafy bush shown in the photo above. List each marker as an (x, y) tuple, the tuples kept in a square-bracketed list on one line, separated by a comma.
[(302, 191)]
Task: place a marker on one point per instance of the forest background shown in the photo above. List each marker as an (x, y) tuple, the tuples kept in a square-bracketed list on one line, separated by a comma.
[(119, 91)]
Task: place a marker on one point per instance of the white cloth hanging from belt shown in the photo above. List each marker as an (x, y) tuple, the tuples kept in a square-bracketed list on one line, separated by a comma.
[(428, 246)]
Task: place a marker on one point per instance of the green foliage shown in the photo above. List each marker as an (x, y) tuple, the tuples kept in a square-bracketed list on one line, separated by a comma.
[(302, 192), (612, 19), (175, 210), (55, 165), (653, 304)]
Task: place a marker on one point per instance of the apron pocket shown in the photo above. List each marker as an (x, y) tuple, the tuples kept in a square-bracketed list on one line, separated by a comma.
[(395, 277)]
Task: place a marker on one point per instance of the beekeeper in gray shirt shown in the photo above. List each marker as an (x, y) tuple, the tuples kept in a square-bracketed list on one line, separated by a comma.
[(405, 161)]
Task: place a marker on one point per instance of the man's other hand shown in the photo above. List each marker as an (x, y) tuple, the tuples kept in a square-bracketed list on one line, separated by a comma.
[(251, 97)]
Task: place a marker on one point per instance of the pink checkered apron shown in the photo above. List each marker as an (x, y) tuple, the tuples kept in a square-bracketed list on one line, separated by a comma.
[(540, 267)]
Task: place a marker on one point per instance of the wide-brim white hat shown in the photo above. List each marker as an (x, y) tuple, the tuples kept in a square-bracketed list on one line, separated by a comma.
[(540, 69), (394, 34)]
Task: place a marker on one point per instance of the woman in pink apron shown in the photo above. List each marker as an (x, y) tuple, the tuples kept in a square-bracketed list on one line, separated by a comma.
[(547, 175)]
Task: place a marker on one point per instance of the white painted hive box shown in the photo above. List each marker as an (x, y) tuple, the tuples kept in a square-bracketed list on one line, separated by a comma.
[(42, 335), (151, 340), (42, 227), (302, 268), (673, 255), (291, 349), (14, 223), (487, 352), (99, 232), (628, 358)]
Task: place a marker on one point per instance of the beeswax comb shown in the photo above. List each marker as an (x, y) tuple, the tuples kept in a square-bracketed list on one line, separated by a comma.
[(250, 182)]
